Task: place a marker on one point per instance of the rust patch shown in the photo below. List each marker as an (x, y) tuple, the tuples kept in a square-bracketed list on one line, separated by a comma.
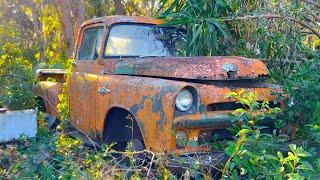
[(199, 68)]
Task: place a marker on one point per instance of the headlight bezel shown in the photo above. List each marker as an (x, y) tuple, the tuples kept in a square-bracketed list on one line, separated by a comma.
[(194, 104)]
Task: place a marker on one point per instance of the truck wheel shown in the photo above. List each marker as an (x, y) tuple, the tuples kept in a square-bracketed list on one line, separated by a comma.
[(121, 129), (41, 104), (134, 145), (139, 157)]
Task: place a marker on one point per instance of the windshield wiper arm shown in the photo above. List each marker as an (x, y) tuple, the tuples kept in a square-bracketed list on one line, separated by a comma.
[(151, 56)]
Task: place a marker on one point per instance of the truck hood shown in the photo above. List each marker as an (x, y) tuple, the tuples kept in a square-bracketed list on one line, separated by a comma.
[(197, 68)]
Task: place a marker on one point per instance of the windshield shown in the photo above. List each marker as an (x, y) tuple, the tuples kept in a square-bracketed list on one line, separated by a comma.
[(145, 40)]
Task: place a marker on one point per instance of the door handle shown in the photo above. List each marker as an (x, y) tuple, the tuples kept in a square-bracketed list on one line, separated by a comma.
[(103, 90)]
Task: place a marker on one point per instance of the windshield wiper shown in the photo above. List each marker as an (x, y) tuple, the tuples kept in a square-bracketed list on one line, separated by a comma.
[(151, 56)]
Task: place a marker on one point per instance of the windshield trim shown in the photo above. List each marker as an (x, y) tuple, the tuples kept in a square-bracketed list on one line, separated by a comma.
[(127, 23)]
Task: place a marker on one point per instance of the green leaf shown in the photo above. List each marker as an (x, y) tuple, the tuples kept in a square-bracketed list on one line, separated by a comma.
[(244, 101), (235, 174), (255, 105), (271, 157), (293, 147), (196, 34), (304, 154), (241, 91), (240, 110), (170, 9), (243, 131), (279, 154), (219, 26), (281, 169), (290, 154), (291, 158), (305, 166), (231, 94), (230, 148), (61, 97)]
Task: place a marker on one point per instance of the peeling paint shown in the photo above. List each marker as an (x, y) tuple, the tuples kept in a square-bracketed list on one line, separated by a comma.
[(200, 68), (230, 67)]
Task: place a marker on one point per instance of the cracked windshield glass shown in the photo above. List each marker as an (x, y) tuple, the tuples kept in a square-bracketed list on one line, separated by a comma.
[(145, 40)]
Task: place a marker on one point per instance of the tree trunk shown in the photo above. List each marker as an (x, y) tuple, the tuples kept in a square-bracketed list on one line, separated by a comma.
[(63, 8), (36, 30), (79, 11), (118, 6), (152, 8)]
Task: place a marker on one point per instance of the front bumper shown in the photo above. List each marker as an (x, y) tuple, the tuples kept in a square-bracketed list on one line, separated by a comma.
[(199, 160), (204, 131), (211, 123)]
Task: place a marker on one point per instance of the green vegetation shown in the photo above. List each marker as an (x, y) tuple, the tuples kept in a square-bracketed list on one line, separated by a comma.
[(257, 153), (16, 80), (270, 30), (302, 88)]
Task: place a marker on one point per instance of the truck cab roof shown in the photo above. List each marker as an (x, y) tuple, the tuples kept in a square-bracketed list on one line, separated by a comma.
[(109, 20)]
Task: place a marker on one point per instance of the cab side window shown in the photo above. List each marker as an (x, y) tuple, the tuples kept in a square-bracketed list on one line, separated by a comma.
[(90, 44)]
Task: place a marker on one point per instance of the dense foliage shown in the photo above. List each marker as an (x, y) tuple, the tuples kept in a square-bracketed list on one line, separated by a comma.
[(261, 29), (303, 87), (16, 80), (259, 154)]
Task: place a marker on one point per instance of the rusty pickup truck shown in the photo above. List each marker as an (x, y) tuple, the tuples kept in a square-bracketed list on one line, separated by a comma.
[(132, 72)]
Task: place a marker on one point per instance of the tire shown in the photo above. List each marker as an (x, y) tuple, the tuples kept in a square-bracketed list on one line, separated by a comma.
[(136, 146), (41, 104)]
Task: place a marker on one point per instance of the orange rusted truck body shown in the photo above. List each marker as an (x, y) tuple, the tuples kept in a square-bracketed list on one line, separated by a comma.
[(104, 90)]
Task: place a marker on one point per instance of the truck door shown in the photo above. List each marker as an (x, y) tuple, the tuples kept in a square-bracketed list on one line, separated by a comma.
[(83, 80)]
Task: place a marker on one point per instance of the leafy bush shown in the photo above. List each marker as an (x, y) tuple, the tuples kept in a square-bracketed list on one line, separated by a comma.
[(256, 154), (301, 95), (16, 80), (245, 28)]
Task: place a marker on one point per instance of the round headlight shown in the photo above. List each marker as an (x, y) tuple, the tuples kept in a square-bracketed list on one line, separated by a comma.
[(184, 100), (181, 139)]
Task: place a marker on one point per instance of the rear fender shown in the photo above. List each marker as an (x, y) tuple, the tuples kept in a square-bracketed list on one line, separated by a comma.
[(49, 92)]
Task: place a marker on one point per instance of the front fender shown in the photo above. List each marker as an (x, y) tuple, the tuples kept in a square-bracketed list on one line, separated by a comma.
[(49, 92), (149, 100)]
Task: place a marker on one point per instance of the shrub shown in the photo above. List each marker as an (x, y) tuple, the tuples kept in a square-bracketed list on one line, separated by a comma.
[(301, 94), (16, 80), (257, 155)]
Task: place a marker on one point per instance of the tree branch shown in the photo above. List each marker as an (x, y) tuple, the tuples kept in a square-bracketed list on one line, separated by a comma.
[(312, 2), (312, 13), (275, 16), (309, 19)]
